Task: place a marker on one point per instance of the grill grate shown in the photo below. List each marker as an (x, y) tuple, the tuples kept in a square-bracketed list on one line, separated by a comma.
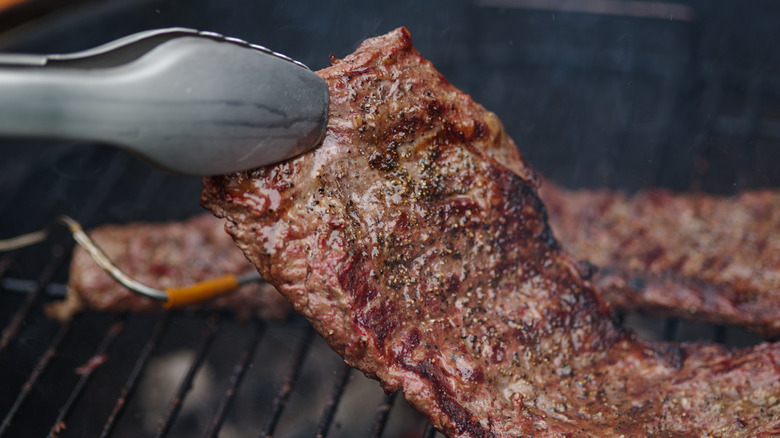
[(132, 379), (85, 372), (280, 402), (239, 370), (333, 401), (28, 386), (209, 334), (382, 415)]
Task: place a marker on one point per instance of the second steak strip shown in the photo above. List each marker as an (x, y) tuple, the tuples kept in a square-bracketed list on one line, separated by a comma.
[(164, 255), (414, 241), (704, 257)]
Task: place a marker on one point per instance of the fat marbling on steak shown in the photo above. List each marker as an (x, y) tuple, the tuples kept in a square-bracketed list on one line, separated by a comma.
[(414, 241), (164, 255), (704, 257)]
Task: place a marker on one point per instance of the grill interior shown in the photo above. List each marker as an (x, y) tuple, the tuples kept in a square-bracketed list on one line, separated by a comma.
[(606, 95)]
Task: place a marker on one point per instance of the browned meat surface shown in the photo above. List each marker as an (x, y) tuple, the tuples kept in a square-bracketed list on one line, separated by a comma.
[(715, 259), (164, 255), (414, 241)]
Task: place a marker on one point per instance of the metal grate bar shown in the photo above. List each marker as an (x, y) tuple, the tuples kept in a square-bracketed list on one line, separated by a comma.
[(719, 334), (85, 374), (147, 192), (40, 367), (132, 379), (382, 415), (280, 402), (210, 333), (29, 180), (747, 126), (710, 101), (12, 329), (113, 172), (669, 330), (751, 114), (111, 176), (430, 431), (333, 401), (5, 262), (239, 370), (14, 175)]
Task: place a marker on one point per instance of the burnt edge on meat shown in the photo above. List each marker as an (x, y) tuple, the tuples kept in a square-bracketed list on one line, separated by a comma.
[(413, 240), (170, 254), (703, 257)]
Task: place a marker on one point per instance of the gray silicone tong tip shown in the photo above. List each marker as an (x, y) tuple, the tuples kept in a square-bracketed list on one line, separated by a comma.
[(189, 102)]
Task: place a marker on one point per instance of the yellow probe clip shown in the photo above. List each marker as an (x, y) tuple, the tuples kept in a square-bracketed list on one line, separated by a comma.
[(182, 296)]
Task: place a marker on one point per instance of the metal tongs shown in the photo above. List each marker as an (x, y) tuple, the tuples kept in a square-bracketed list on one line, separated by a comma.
[(190, 102)]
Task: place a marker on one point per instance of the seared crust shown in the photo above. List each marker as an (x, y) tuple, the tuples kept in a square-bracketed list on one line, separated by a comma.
[(414, 241), (710, 258), (164, 255)]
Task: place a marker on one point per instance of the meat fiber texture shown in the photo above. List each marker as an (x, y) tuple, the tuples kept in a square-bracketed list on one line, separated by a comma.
[(414, 241), (703, 257), (164, 255)]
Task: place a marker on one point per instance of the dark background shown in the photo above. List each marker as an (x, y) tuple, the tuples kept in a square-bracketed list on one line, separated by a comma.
[(622, 94), (691, 103)]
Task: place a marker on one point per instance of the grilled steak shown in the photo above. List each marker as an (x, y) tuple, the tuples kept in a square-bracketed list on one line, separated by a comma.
[(164, 255), (414, 241), (709, 258)]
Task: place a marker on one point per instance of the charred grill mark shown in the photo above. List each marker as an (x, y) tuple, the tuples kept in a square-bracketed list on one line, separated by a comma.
[(408, 345), (465, 422), (381, 319), (357, 282), (378, 315)]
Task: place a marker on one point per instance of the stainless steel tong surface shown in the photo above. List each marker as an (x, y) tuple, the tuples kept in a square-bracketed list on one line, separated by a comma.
[(189, 102)]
